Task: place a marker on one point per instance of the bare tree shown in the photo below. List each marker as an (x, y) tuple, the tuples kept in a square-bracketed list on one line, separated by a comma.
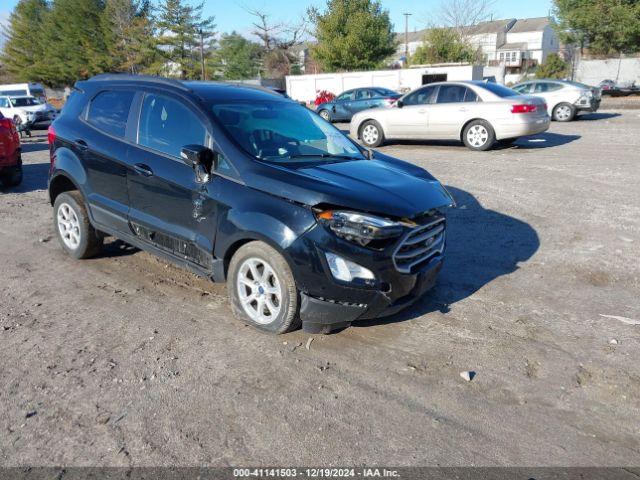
[(278, 41), (463, 15)]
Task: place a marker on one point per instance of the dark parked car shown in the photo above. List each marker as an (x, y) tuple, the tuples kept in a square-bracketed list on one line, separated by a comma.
[(10, 158), (347, 104), (241, 185)]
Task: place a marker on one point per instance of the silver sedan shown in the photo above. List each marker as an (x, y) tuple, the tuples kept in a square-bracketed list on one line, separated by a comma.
[(476, 113)]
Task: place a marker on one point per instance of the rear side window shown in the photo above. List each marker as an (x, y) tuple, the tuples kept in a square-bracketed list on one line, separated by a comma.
[(363, 94), (109, 111), (451, 93), (166, 125)]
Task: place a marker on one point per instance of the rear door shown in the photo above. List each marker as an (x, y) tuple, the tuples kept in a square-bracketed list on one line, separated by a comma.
[(100, 142), (169, 208), (362, 101), (412, 120), (454, 105)]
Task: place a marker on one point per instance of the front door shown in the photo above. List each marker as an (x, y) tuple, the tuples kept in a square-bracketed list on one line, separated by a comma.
[(342, 106), (170, 209), (412, 120)]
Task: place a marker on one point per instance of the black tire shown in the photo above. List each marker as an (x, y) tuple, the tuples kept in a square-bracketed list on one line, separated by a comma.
[(479, 135), (325, 114), (564, 112), (12, 176), (90, 242), (371, 134), (288, 318)]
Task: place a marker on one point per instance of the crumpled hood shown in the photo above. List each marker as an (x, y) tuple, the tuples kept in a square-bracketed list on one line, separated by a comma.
[(383, 185)]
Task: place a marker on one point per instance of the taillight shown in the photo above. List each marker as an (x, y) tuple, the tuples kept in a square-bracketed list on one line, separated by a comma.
[(51, 135), (524, 108), (391, 101)]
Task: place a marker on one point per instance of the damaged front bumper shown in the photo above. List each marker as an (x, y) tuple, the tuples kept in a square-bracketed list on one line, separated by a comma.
[(321, 315)]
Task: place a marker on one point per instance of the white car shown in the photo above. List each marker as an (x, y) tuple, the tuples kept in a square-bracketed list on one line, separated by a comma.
[(564, 99), (26, 110), (477, 113)]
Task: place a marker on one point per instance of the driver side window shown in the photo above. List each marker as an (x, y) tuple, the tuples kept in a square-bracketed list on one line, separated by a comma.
[(166, 125), (345, 97), (424, 96)]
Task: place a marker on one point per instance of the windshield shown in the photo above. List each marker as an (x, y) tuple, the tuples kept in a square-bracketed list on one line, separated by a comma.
[(24, 102), (499, 90), (283, 131)]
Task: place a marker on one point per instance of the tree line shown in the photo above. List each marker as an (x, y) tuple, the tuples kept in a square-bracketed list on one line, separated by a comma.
[(57, 42)]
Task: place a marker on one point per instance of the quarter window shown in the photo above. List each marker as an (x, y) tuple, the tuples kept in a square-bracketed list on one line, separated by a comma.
[(109, 111), (166, 125)]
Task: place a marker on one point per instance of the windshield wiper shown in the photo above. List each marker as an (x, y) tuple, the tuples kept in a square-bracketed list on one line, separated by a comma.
[(323, 155)]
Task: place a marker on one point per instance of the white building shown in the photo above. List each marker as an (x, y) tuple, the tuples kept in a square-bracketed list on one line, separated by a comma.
[(508, 42)]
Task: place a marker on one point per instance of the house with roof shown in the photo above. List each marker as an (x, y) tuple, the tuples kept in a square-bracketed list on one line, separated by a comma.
[(514, 43)]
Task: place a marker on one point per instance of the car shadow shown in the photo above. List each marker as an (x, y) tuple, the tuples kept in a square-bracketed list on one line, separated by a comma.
[(34, 177), (34, 145), (542, 140), (482, 245), (596, 116), (116, 248)]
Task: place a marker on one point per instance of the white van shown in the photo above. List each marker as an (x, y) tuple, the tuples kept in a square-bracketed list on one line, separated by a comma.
[(35, 90)]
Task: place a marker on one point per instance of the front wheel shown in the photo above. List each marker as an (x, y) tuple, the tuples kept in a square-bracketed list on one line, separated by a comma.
[(564, 112), (262, 289), (479, 135), (325, 115), (371, 134), (74, 231)]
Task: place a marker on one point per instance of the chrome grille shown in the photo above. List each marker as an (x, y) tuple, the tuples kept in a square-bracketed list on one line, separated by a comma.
[(420, 245)]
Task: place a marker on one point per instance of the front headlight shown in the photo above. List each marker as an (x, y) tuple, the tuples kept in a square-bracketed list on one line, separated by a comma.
[(359, 227)]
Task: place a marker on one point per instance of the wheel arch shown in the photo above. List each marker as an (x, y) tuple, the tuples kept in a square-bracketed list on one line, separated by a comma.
[(365, 120), (60, 183)]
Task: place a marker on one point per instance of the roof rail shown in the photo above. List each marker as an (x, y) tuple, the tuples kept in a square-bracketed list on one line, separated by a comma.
[(105, 77)]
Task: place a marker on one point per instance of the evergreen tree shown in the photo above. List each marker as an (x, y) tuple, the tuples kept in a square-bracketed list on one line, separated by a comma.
[(553, 67), (74, 43), (352, 35), (23, 54), (443, 45), (237, 58), (181, 31), (127, 27)]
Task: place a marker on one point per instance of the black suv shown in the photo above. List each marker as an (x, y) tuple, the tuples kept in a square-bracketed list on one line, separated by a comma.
[(242, 185)]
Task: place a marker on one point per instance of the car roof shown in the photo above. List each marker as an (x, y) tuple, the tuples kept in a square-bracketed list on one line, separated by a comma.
[(206, 90)]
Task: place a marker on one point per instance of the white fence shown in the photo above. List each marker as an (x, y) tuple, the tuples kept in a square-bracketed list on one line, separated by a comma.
[(622, 70), (305, 87)]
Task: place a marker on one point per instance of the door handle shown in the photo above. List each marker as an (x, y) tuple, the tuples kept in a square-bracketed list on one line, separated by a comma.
[(81, 145), (143, 169)]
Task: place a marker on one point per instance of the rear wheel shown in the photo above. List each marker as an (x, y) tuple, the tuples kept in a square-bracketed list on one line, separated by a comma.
[(564, 112), (12, 176), (74, 231), (262, 289), (371, 134), (479, 135)]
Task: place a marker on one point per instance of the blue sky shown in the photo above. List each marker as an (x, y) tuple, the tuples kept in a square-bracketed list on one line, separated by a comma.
[(231, 14)]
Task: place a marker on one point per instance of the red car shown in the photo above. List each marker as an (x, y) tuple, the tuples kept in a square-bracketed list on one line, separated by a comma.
[(10, 156)]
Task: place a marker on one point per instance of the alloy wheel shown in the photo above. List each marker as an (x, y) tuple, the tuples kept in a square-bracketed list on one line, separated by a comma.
[(477, 136), (324, 114), (69, 226), (370, 134), (259, 290), (563, 113)]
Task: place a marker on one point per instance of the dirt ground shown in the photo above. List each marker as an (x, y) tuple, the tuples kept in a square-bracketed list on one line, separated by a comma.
[(125, 360)]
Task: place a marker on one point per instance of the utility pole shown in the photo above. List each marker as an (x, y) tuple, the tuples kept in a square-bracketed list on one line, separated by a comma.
[(406, 37), (202, 53)]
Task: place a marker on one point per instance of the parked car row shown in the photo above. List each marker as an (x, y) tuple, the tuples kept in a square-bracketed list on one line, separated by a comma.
[(26, 110), (477, 113)]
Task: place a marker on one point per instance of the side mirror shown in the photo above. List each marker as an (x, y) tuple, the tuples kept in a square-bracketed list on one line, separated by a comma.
[(400, 104), (199, 156)]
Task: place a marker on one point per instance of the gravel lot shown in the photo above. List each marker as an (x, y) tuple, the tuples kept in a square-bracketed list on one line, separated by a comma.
[(125, 360)]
